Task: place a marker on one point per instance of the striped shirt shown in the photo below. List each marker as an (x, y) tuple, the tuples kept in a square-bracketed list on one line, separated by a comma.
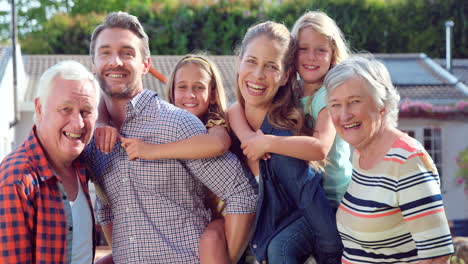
[(36, 224), (157, 207), (393, 213)]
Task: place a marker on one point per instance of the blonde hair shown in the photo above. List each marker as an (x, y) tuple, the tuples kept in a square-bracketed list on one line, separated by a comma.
[(284, 111), (326, 26), (216, 110)]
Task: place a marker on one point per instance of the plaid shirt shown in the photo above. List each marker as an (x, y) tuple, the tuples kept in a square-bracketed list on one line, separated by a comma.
[(157, 207), (36, 223)]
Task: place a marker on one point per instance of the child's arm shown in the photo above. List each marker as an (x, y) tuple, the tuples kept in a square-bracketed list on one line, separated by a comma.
[(105, 135), (315, 147), (239, 124), (213, 144)]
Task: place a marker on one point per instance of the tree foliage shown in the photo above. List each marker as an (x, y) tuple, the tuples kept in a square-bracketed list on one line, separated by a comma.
[(179, 27)]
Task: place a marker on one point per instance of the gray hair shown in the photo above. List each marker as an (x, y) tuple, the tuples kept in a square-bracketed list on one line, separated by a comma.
[(377, 78), (121, 20), (67, 70)]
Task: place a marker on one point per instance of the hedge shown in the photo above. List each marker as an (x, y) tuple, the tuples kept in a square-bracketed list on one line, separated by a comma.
[(374, 25)]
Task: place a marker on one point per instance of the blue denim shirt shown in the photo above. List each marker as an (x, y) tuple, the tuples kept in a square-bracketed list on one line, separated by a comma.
[(278, 206)]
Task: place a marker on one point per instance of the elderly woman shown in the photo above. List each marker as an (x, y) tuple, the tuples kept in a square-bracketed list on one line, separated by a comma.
[(392, 211)]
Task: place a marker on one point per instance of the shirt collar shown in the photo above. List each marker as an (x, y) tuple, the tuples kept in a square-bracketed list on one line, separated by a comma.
[(142, 99), (39, 158)]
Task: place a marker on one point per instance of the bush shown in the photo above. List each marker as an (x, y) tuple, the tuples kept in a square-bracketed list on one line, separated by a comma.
[(176, 28)]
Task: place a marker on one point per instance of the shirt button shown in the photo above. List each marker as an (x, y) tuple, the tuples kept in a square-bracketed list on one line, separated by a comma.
[(70, 228), (254, 245), (127, 210), (131, 238), (124, 179)]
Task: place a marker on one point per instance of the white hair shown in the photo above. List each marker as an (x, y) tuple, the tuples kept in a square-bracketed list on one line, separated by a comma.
[(67, 70), (377, 78)]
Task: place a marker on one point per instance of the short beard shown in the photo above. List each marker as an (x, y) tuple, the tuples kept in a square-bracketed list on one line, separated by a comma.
[(126, 93)]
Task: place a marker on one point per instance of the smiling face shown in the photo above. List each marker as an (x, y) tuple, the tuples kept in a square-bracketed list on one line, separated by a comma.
[(192, 89), (354, 113), (314, 58), (118, 62), (261, 71), (65, 124)]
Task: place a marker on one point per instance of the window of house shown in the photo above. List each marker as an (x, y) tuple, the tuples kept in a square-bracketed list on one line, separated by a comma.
[(431, 139)]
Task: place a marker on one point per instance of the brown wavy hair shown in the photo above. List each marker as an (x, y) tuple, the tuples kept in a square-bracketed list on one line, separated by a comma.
[(284, 111)]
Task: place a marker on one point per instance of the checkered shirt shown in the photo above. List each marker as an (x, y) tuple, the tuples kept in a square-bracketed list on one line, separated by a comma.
[(36, 224), (157, 207)]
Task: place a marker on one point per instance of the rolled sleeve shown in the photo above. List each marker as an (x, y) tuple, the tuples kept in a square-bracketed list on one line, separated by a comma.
[(224, 175)]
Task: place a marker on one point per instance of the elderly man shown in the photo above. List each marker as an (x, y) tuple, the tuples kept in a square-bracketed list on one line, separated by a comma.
[(45, 208), (154, 211)]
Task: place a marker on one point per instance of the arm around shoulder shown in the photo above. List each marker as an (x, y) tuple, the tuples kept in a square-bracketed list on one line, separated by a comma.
[(213, 144), (239, 124)]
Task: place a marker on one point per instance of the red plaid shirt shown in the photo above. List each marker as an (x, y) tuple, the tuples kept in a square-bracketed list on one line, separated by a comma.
[(33, 215)]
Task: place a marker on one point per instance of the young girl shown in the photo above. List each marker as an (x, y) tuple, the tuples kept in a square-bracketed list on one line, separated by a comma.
[(291, 192), (320, 45), (195, 85)]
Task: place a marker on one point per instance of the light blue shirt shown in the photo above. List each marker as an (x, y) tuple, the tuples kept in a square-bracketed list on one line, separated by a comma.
[(338, 168)]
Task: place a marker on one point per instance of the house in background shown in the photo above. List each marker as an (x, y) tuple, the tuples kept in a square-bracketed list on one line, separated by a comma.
[(8, 117), (430, 95), (434, 110)]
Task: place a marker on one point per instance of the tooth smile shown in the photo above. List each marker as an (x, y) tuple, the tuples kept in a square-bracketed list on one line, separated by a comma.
[(72, 135), (190, 105), (115, 75), (254, 86), (310, 67), (352, 125)]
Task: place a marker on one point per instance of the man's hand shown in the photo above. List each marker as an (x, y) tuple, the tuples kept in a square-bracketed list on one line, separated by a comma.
[(256, 147), (105, 138), (137, 148)]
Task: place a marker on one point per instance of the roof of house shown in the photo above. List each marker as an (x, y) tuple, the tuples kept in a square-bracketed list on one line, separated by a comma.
[(416, 76), (35, 65), (420, 78), (459, 68)]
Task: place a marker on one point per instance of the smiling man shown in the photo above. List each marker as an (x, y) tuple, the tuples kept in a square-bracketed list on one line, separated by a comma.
[(45, 208), (154, 211)]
